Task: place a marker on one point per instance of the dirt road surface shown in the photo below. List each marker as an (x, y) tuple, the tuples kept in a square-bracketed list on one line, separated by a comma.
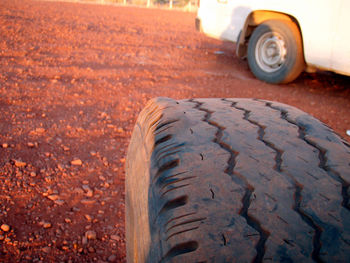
[(73, 78)]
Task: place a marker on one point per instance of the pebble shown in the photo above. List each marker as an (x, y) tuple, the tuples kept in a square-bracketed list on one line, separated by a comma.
[(33, 174), (87, 201), (68, 220), (91, 249), (89, 193), (5, 145), (112, 258), (90, 234), (85, 187), (45, 224), (5, 227), (46, 250), (84, 241), (53, 197), (77, 162), (39, 130), (75, 209), (59, 202), (102, 178), (20, 163), (78, 190), (2, 237), (88, 218), (30, 145), (115, 237), (60, 167)]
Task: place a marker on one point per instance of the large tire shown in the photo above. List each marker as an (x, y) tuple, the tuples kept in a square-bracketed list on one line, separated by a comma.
[(275, 52), (235, 180)]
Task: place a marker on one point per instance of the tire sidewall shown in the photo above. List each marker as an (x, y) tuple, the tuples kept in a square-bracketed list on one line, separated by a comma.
[(289, 69)]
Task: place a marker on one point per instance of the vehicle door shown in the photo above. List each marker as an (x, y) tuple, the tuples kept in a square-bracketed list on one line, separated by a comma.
[(341, 40)]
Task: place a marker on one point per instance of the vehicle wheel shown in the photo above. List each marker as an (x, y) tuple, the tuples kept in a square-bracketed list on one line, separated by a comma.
[(235, 180), (275, 52)]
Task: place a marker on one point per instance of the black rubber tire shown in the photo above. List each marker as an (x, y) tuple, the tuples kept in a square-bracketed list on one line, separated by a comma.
[(235, 180), (294, 61)]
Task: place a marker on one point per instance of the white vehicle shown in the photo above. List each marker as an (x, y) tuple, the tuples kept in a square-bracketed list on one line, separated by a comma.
[(281, 38)]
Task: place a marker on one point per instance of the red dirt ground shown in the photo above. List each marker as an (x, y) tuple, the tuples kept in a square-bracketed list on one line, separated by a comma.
[(73, 78)]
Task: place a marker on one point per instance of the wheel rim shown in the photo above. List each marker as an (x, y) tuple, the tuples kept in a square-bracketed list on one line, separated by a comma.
[(270, 52)]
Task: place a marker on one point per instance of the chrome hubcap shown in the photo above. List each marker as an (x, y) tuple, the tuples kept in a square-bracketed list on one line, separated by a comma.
[(270, 52)]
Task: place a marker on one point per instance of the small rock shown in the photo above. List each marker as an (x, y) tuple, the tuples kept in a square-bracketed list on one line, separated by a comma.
[(65, 247), (77, 162), (85, 187), (112, 258), (68, 220), (46, 250), (75, 209), (93, 153), (84, 240), (60, 167), (45, 224), (30, 145), (2, 237), (90, 234), (88, 218), (89, 193), (115, 237), (53, 197), (19, 163), (29, 258), (33, 174), (5, 227), (5, 145), (103, 114), (59, 202), (78, 190), (39, 130), (66, 149), (348, 132), (87, 201), (102, 178)]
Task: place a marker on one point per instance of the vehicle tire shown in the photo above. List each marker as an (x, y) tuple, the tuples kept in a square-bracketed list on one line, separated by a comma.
[(275, 52), (235, 180)]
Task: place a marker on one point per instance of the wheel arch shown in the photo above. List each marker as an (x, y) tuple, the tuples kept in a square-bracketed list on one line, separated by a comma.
[(254, 19)]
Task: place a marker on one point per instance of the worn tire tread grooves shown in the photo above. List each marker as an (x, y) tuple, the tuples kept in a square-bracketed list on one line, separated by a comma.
[(254, 223), (172, 183)]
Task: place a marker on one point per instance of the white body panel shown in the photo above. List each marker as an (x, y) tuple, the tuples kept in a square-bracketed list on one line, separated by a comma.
[(324, 24)]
